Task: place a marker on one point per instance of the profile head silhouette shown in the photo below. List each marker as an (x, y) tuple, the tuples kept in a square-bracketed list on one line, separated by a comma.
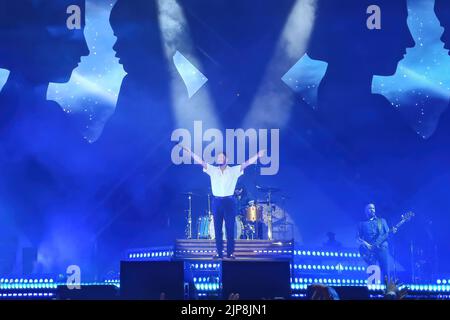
[(442, 9), (139, 42), (36, 42), (341, 36)]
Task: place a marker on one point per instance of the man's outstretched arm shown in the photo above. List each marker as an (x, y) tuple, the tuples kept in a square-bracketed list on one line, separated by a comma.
[(196, 158), (252, 160)]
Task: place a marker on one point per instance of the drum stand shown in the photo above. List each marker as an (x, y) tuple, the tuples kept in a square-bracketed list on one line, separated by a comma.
[(210, 219), (269, 218), (188, 230)]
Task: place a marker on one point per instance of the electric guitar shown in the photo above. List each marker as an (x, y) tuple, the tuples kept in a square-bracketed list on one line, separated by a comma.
[(368, 250)]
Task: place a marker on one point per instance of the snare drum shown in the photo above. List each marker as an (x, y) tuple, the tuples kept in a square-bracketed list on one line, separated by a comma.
[(253, 212)]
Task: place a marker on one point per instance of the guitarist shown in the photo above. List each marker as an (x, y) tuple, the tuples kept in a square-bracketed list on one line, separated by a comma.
[(371, 234)]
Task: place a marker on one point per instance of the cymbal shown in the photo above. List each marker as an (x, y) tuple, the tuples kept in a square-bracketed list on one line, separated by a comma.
[(192, 194), (265, 202), (267, 189)]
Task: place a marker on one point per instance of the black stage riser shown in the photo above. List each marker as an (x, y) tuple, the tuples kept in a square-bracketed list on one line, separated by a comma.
[(153, 280)]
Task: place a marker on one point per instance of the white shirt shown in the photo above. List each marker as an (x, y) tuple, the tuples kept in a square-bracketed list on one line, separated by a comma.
[(223, 183)]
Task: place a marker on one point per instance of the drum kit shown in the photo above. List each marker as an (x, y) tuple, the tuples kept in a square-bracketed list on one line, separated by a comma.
[(255, 219)]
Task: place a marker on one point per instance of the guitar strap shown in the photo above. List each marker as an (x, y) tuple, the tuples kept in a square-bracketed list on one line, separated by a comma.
[(380, 230), (380, 226)]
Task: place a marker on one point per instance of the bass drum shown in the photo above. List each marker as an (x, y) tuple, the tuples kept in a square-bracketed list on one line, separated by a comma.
[(278, 214), (238, 229), (204, 227)]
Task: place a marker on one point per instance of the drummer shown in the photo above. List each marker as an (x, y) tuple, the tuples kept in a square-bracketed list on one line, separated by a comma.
[(242, 199), (223, 184)]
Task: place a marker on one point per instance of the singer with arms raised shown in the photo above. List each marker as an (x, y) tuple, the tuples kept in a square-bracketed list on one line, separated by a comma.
[(223, 184)]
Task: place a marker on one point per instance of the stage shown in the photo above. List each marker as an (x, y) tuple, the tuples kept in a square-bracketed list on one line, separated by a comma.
[(203, 278)]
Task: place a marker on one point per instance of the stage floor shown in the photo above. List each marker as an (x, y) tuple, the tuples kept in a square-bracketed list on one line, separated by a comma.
[(337, 268)]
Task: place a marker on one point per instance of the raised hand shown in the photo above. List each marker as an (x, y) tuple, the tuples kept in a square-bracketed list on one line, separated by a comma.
[(392, 288), (261, 153), (186, 149)]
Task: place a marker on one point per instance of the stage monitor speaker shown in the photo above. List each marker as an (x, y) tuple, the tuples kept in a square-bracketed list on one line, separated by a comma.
[(148, 280), (352, 293), (254, 280), (88, 292)]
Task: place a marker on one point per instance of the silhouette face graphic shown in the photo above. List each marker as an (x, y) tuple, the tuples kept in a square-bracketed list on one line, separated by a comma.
[(442, 9), (341, 36), (37, 44), (138, 45)]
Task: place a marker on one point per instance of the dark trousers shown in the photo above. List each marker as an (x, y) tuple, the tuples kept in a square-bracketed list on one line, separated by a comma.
[(224, 209), (383, 262)]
